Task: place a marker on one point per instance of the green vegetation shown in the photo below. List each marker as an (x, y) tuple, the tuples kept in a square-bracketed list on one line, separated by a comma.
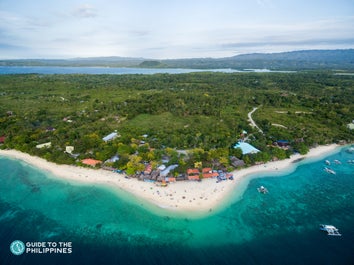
[(151, 64), (187, 118)]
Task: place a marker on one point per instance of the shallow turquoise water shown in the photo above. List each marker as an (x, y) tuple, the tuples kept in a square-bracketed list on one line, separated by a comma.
[(280, 227)]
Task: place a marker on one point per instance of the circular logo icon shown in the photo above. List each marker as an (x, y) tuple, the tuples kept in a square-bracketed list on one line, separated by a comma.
[(17, 247)]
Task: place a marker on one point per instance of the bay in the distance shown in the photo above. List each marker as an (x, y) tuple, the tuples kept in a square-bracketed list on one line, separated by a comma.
[(47, 70), (100, 70)]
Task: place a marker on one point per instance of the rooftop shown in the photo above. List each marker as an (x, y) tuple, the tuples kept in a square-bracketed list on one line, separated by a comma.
[(91, 162), (110, 136), (246, 148)]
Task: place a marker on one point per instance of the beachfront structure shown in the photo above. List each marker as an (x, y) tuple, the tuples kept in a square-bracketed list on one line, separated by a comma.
[(350, 126), (2, 139), (148, 169), (45, 145), (110, 136), (91, 162), (196, 177), (170, 179), (193, 174), (282, 143), (167, 170), (246, 148), (69, 149), (208, 173), (235, 162), (192, 171)]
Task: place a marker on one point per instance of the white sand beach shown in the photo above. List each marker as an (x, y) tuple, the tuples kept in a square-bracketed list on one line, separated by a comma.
[(197, 197)]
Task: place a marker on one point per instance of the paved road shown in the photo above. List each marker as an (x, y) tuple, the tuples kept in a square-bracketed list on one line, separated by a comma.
[(253, 124)]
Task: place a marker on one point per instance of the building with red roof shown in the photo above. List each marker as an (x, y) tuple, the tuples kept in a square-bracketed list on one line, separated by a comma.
[(193, 171), (91, 162), (210, 175), (195, 177), (193, 174)]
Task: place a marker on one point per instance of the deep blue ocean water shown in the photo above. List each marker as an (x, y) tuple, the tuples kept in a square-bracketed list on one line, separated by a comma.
[(281, 227)]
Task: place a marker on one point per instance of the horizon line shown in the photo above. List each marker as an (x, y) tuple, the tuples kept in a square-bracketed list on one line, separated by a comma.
[(162, 59)]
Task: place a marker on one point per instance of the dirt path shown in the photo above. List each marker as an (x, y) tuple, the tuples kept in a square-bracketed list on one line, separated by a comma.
[(253, 124)]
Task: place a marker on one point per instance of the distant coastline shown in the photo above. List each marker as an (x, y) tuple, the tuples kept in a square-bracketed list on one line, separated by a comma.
[(98, 70), (295, 60), (184, 197)]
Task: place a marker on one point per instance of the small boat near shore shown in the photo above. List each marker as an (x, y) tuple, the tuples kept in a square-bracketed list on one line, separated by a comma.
[(350, 150), (262, 189), (330, 229), (330, 171), (328, 162)]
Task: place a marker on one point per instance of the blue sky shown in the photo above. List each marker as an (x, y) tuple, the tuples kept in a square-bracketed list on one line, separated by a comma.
[(171, 29)]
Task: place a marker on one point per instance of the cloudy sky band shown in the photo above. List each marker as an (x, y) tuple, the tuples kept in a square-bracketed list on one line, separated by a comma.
[(171, 29)]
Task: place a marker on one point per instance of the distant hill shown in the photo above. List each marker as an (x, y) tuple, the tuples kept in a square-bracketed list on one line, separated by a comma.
[(77, 62), (308, 59), (296, 60)]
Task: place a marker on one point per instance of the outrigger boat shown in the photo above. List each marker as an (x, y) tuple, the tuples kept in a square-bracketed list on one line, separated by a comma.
[(330, 171), (327, 162), (330, 229), (262, 189)]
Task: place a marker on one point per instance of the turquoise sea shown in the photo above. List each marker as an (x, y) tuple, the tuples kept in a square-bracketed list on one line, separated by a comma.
[(281, 227)]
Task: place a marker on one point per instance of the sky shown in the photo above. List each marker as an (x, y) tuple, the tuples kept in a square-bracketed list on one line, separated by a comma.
[(171, 29)]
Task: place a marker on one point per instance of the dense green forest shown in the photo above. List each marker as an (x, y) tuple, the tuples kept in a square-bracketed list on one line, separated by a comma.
[(189, 118)]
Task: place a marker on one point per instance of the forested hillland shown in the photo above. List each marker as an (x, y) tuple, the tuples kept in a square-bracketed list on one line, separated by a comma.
[(188, 118)]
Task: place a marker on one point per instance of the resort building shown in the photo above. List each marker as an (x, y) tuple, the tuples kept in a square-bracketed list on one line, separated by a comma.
[(148, 169), (208, 173), (2, 139), (113, 159), (282, 144), (193, 177), (170, 179), (193, 174), (235, 162), (110, 136), (167, 170), (350, 126), (69, 149), (45, 145), (246, 148), (91, 162)]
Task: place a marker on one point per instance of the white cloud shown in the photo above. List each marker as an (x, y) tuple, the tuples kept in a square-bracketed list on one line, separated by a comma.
[(85, 11)]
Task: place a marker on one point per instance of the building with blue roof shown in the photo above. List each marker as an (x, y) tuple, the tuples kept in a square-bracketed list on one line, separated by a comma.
[(246, 148)]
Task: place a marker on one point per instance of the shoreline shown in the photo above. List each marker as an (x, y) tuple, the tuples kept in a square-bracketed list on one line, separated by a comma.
[(197, 198)]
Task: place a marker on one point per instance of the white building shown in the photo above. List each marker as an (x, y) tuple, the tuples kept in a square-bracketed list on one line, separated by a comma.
[(110, 136)]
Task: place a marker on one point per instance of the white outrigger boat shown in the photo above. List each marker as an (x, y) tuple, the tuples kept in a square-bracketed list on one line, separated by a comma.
[(262, 189), (330, 229), (328, 170), (328, 162)]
